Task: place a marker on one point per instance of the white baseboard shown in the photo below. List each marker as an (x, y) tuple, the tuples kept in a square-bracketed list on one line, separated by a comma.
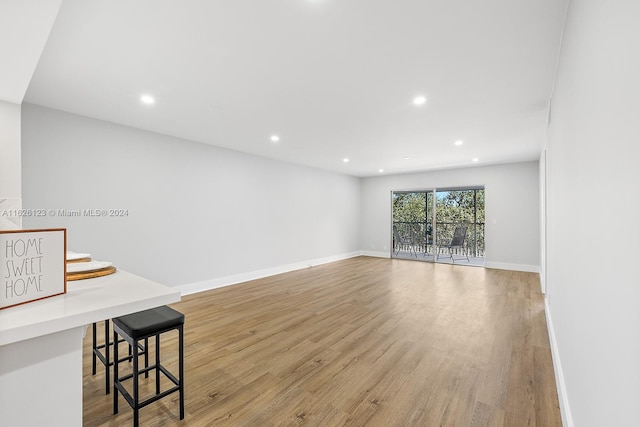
[(205, 285), (563, 399), (514, 267), (376, 254), (497, 265)]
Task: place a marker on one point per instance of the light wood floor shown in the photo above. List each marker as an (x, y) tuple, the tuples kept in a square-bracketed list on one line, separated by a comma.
[(365, 341)]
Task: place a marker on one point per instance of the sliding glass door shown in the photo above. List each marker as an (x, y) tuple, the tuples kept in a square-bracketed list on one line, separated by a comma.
[(460, 225), (412, 224), (442, 225)]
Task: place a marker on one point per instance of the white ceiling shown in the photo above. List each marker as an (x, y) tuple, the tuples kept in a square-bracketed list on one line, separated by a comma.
[(333, 78), (24, 28)]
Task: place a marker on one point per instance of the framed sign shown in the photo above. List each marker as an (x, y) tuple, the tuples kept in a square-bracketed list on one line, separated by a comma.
[(32, 265)]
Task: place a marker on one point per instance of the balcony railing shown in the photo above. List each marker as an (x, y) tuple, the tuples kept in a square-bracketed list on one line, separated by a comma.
[(419, 236)]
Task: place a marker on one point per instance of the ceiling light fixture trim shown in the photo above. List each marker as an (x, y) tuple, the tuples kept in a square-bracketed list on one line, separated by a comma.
[(147, 99)]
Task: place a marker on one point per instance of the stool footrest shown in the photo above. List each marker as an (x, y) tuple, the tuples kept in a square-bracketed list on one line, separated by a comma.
[(103, 359), (162, 369), (150, 400)]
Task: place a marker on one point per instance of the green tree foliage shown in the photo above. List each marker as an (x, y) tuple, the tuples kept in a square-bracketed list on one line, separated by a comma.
[(409, 207), (460, 206), (451, 207)]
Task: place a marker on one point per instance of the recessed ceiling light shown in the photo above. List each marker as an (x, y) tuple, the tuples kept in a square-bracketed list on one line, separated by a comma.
[(346, 160), (380, 170), (475, 160), (405, 158), (419, 100), (275, 138), (459, 142), (147, 99)]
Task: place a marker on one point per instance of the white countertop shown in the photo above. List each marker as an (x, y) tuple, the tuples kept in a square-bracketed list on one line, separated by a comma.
[(86, 301)]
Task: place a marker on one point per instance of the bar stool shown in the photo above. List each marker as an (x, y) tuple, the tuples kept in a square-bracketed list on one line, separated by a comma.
[(142, 326), (101, 352)]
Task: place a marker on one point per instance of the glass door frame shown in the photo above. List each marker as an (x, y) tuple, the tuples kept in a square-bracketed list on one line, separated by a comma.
[(428, 231), (432, 216)]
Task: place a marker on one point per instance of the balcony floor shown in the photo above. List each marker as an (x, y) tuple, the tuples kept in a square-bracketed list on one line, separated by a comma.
[(443, 258)]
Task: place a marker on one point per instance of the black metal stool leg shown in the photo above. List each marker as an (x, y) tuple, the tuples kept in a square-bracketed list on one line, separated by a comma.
[(101, 352), (146, 357), (106, 353), (136, 379), (115, 372), (157, 364), (181, 369), (93, 353)]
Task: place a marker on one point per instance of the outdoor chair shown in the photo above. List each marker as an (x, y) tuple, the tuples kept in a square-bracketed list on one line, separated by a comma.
[(400, 242), (457, 242)]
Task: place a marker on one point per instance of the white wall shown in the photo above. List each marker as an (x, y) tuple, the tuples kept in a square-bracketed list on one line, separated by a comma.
[(10, 150), (196, 213), (512, 210), (593, 282)]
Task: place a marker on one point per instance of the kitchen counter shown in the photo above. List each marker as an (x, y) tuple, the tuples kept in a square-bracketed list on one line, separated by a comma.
[(41, 345)]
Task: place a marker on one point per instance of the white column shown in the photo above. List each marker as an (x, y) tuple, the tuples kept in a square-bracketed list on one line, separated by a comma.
[(41, 380)]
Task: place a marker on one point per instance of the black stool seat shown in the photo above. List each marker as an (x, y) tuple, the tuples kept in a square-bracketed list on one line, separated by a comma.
[(142, 326), (149, 322)]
